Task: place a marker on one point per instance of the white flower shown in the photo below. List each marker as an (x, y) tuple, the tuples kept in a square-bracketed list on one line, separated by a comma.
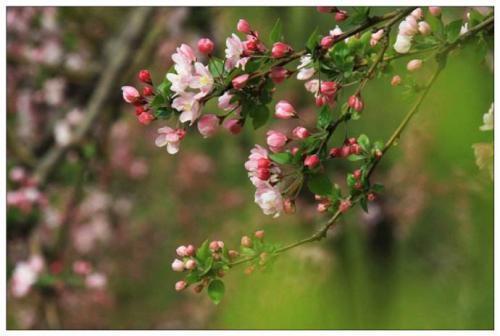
[(178, 265), (202, 80), (62, 132), (180, 80), (234, 49), (312, 86), (464, 29), (23, 278), (403, 44), (305, 71), (96, 281), (190, 107), (170, 138), (488, 122), (269, 199), (336, 32)]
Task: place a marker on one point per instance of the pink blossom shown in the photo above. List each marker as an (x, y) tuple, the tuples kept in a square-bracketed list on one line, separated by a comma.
[(396, 80), (240, 81), (284, 110), (276, 140), (300, 132), (280, 50), (435, 11), (417, 13), (328, 88), (243, 26), (190, 264), (208, 124), (178, 265), (170, 138), (326, 42), (187, 52), (130, 94), (180, 285), (414, 65), (202, 80), (234, 49), (181, 251), (225, 102), (96, 281), (424, 28), (205, 46), (355, 103), (311, 161), (82, 267), (188, 104), (269, 200), (145, 118), (233, 125), (278, 74)]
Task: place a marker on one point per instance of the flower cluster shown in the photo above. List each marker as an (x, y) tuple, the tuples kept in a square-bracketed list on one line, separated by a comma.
[(411, 26), (27, 196)]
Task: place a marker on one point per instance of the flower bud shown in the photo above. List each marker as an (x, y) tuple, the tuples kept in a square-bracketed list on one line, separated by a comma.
[(358, 185), (280, 49), (323, 206), (130, 94), (190, 251), (246, 241), (345, 151), (300, 132), (326, 42), (357, 174), (344, 205), (249, 270), (414, 65), (403, 44), (139, 110), (396, 80), (240, 81), (82, 267), (276, 141), (264, 163), (233, 254), (145, 76), (435, 11), (328, 88), (177, 265), (180, 285), (284, 110), (351, 141), (424, 28), (371, 197), (181, 251), (335, 152), (311, 161), (205, 46), (208, 124), (233, 125), (355, 149), (263, 174), (355, 103), (324, 9), (190, 264), (259, 234), (378, 154), (198, 288), (147, 91), (243, 26), (214, 246), (340, 16), (289, 206), (278, 74), (145, 118), (294, 150), (417, 13)]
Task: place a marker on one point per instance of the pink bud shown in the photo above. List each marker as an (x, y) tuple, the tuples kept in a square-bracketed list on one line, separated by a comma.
[(280, 49), (284, 110), (246, 241), (205, 46), (208, 124), (145, 76), (323, 206), (335, 152), (233, 125), (278, 74), (435, 11), (378, 35), (178, 265), (17, 174), (351, 141), (289, 206), (328, 88), (355, 103), (147, 91), (263, 163), (181, 251), (259, 234), (311, 161), (345, 151), (414, 65), (355, 149), (233, 254), (344, 205), (180, 285), (327, 42), (324, 9), (276, 140), (340, 16), (130, 94), (417, 13), (357, 174), (190, 250), (263, 174), (294, 150), (300, 132), (190, 264), (145, 118), (243, 26), (370, 197), (82, 267), (214, 246), (240, 81), (424, 28), (396, 80)]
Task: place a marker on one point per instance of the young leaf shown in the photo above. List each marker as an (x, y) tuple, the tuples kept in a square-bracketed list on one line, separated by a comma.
[(319, 184), (354, 157), (363, 203), (313, 40), (325, 117), (203, 252), (453, 30), (364, 142), (281, 158), (377, 188), (351, 180), (276, 32), (162, 113), (260, 114), (216, 290), (436, 25), (216, 66)]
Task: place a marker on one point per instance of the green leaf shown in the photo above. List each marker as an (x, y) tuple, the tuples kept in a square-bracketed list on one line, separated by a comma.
[(377, 188), (453, 30), (260, 115), (325, 117), (281, 158), (313, 40), (162, 113), (216, 290), (436, 25), (319, 184), (364, 142), (157, 101), (363, 203), (164, 87), (276, 32), (354, 157), (207, 266), (216, 66), (192, 278), (351, 180), (203, 252)]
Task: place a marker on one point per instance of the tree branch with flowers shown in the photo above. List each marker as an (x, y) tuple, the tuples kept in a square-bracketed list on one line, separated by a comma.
[(244, 81)]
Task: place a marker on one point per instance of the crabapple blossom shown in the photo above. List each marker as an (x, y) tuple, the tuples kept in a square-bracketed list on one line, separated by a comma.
[(403, 44), (340, 16), (178, 265), (424, 28), (224, 102), (280, 50), (300, 132), (233, 125), (417, 13), (396, 80), (311, 161), (23, 277), (326, 42), (344, 205), (190, 250), (181, 251), (370, 197), (246, 241), (145, 118), (205, 46), (243, 26), (130, 94), (305, 70), (240, 81), (278, 74), (180, 285), (414, 65), (355, 103), (375, 38), (190, 264), (259, 234), (336, 32), (147, 91), (323, 206), (328, 88), (208, 124), (335, 152), (435, 11), (171, 138), (145, 76), (284, 110), (276, 140), (269, 199), (202, 80), (189, 106), (234, 49)]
